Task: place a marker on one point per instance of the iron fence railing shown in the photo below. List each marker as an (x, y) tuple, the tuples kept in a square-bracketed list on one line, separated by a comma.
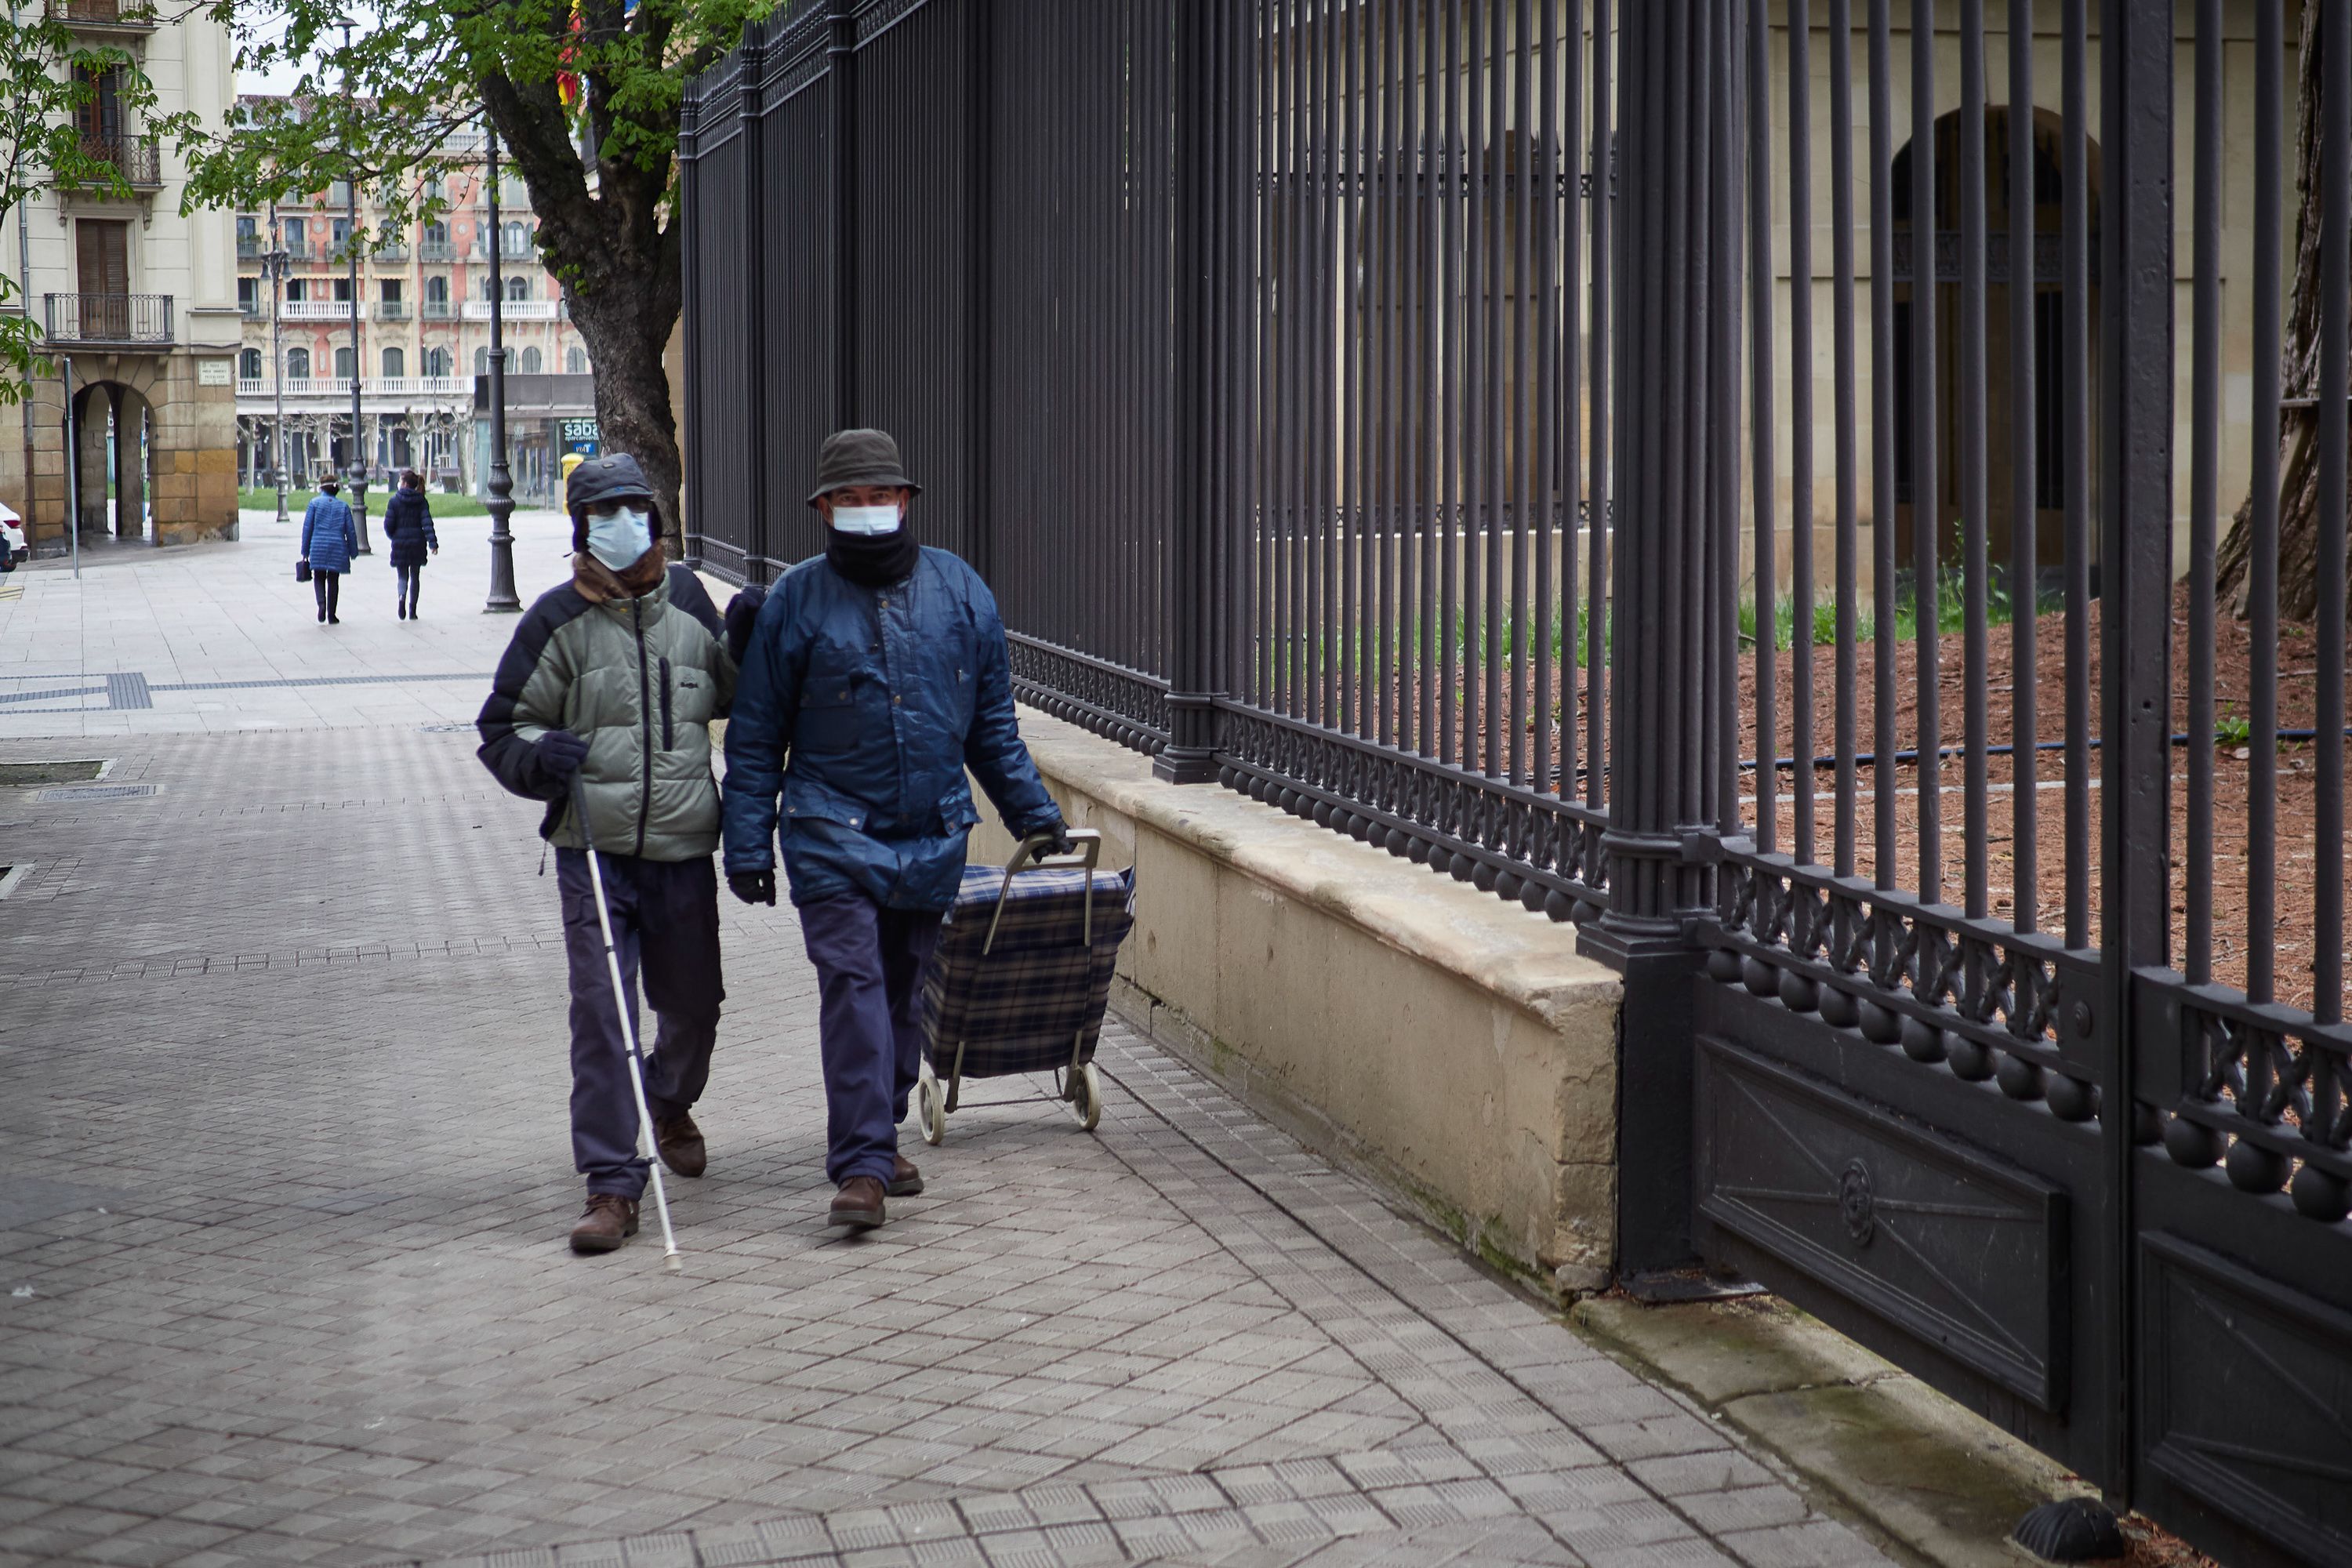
[(106, 318), (1523, 436), (138, 159), (103, 14)]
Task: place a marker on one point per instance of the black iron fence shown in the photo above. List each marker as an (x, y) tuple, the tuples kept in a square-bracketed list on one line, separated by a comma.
[(1521, 435)]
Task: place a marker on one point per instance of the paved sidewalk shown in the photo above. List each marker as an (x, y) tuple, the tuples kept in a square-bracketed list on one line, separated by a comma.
[(220, 637), (284, 1181)]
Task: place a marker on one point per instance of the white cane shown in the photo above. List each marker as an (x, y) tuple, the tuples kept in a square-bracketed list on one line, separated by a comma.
[(671, 1258)]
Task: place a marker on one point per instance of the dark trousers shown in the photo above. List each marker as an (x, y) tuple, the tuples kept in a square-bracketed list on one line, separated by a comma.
[(868, 961), (328, 586), (411, 578), (665, 918)]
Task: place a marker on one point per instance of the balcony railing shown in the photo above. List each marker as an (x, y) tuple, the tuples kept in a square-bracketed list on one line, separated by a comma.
[(138, 159), (436, 250), (299, 386), (513, 250), (251, 247), (316, 310), (514, 311), (297, 246), (437, 310), (131, 17), (108, 318), (395, 251), (392, 309)]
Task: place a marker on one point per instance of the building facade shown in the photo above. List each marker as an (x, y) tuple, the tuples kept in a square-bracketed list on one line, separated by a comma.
[(424, 330), (136, 303)]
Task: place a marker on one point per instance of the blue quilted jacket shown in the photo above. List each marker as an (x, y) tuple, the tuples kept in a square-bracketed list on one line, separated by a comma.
[(329, 538), (859, 709)]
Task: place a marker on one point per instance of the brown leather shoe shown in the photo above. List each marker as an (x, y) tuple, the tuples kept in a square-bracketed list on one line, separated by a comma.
[(680, 1143), (906, 1181), (859, 1204), (609, 1220)]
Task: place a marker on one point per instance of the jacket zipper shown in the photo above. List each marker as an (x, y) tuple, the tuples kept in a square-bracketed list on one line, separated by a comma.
[(670, 736), (645, 716)]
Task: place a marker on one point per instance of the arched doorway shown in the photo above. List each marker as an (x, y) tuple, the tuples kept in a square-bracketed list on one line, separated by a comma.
[(2023, 250), (114, 457)]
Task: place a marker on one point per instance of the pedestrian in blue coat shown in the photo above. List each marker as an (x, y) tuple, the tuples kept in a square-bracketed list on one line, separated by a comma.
[(876, 676), (329, 540), (408, 528)]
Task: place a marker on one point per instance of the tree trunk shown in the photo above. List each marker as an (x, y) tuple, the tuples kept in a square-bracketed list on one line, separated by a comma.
[(628, 334), (2298, 564)]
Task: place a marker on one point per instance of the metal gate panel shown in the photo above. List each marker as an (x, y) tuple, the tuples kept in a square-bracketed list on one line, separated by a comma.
[(2246, 1400), (1964, 1253)]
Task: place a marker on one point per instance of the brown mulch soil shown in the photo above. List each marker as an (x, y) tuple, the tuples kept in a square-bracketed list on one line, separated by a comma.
[(2297, 850), (2295, 854)]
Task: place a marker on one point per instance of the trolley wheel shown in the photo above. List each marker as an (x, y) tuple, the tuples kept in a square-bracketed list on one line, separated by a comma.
[(930, 1106), (1086, 1096)]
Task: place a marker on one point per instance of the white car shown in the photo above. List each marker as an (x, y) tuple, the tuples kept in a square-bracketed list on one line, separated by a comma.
[(12, 549)]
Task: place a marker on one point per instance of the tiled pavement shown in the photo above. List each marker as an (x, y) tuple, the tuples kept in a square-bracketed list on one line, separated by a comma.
[(283, 1180), (220, 637)]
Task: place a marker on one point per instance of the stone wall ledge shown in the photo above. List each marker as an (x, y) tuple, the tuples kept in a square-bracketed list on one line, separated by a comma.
[(1451, 1046), (1525, 958)]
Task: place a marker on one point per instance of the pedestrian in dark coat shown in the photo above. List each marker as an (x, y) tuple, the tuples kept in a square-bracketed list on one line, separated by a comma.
[(408, 524), (875, 682), (329, 540), (601, 709)]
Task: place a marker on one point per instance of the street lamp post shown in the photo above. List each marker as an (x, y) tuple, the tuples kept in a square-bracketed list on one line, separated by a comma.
[(351, 251), (501, 497), (273, 266)]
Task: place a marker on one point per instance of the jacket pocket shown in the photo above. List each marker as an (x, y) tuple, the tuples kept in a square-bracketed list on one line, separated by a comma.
[(805, 800), (669, 733), (958, 814), (827, 725)]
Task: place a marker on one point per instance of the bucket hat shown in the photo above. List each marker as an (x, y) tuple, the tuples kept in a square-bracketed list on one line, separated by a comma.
[(859, 458)]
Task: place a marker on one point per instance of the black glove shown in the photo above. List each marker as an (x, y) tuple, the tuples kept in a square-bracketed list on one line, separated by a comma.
[(752, 887), (742, 613), (1057, 830), (560, 754)]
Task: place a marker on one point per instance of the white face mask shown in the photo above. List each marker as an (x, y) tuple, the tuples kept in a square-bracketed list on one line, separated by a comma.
[(619, 538), (867, 520)]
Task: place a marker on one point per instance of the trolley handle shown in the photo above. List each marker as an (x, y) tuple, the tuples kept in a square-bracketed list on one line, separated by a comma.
[(1085, 848)]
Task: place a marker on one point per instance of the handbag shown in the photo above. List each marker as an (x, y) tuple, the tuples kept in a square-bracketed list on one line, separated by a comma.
[(301, 571)]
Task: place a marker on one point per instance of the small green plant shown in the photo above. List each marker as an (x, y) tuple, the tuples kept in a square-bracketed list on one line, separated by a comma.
[(2232, 730)]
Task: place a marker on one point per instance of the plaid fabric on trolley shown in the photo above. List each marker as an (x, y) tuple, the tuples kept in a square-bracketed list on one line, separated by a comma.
[(1021, 1007)]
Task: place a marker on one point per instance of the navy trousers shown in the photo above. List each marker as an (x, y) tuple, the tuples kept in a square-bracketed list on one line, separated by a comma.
[(868, 961), (666, 928)]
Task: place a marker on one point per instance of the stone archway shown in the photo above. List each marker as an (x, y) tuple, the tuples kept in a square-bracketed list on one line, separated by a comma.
[(2023, 251), (93, 422), (133, 462), (115, 454)]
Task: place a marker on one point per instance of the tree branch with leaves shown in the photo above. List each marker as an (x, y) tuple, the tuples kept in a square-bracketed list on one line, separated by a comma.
[(394, 112)]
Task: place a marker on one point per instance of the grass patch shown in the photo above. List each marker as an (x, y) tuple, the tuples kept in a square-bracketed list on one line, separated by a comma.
[(1951, 616), (296, 499)]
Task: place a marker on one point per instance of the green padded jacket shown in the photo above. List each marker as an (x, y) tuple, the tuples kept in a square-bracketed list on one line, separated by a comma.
[(639, 680)]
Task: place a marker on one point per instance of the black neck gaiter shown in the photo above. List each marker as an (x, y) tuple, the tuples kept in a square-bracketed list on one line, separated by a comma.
[(873, 560)]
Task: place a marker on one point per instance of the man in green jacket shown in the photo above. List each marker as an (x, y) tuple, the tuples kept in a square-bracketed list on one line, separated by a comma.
[(603, 700)]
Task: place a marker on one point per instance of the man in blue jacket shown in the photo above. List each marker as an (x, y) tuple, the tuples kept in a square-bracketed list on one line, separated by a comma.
[(876, 676)]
